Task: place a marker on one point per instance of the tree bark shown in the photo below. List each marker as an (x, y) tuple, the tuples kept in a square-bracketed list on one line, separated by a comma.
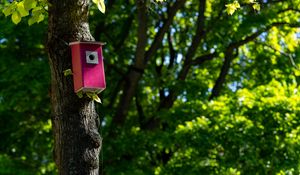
[(77, 142)]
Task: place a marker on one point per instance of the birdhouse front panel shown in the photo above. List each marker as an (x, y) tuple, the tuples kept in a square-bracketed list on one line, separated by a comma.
[(88, 67)]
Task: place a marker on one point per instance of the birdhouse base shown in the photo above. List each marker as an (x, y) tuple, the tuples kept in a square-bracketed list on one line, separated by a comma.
[(93, 90)]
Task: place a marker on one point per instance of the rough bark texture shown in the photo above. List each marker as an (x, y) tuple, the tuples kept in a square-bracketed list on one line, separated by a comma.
[(77, 142)]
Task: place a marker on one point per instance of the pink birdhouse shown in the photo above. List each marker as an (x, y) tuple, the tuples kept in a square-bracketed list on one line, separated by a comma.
[(88, 67)]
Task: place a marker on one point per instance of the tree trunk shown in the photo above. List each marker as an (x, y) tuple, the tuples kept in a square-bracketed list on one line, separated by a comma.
[(77, 142)]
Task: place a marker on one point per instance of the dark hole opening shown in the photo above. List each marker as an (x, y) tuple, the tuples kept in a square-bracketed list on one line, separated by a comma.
[(91, 57)]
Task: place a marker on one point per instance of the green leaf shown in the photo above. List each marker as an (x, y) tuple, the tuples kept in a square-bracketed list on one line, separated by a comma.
[(231, 8), (10, 9), (40, 18), (7, 11), (256, 6), (96, 98), (250, 1), (68, 72), (90, 95), (21, 9), (100, 4), (29, 4), (236, 4), (79, 94), (93, 96), (37, 9), (16, 17), (31, 21), (37, 16)]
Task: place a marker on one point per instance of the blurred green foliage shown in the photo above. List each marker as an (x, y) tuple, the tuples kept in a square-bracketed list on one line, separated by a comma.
[(252, 128), (25, 132), (253, 132)]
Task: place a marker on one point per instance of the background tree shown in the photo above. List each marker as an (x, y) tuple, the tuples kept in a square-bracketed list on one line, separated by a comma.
[(191, 88), (75, 123)]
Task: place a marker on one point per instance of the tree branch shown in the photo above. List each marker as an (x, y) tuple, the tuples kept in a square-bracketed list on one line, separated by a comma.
[(289, 9), (199, 34), (135, 72), (222, 76), (171, 50), (168, 101), (114, 93), (229, 56), (124, 34), (161, 32), (259, 32), (203, 58), (142, 34), (289, 56), (139, 110)]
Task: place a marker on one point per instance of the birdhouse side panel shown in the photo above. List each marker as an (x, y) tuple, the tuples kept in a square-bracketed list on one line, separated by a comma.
[(77, 68)]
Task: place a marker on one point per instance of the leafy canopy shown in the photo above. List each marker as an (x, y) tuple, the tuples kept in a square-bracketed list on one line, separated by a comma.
[(251, 127)]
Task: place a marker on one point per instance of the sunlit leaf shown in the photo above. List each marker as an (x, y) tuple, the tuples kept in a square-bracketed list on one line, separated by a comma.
[(7, 11), (250, 1), (21, 9), (232, 7), (256, 6), (16, 17), (29, 4), (38, 8), (68, 72), (236, 4), (96, 98), (40, 18), (31, 21), (100, 4)]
